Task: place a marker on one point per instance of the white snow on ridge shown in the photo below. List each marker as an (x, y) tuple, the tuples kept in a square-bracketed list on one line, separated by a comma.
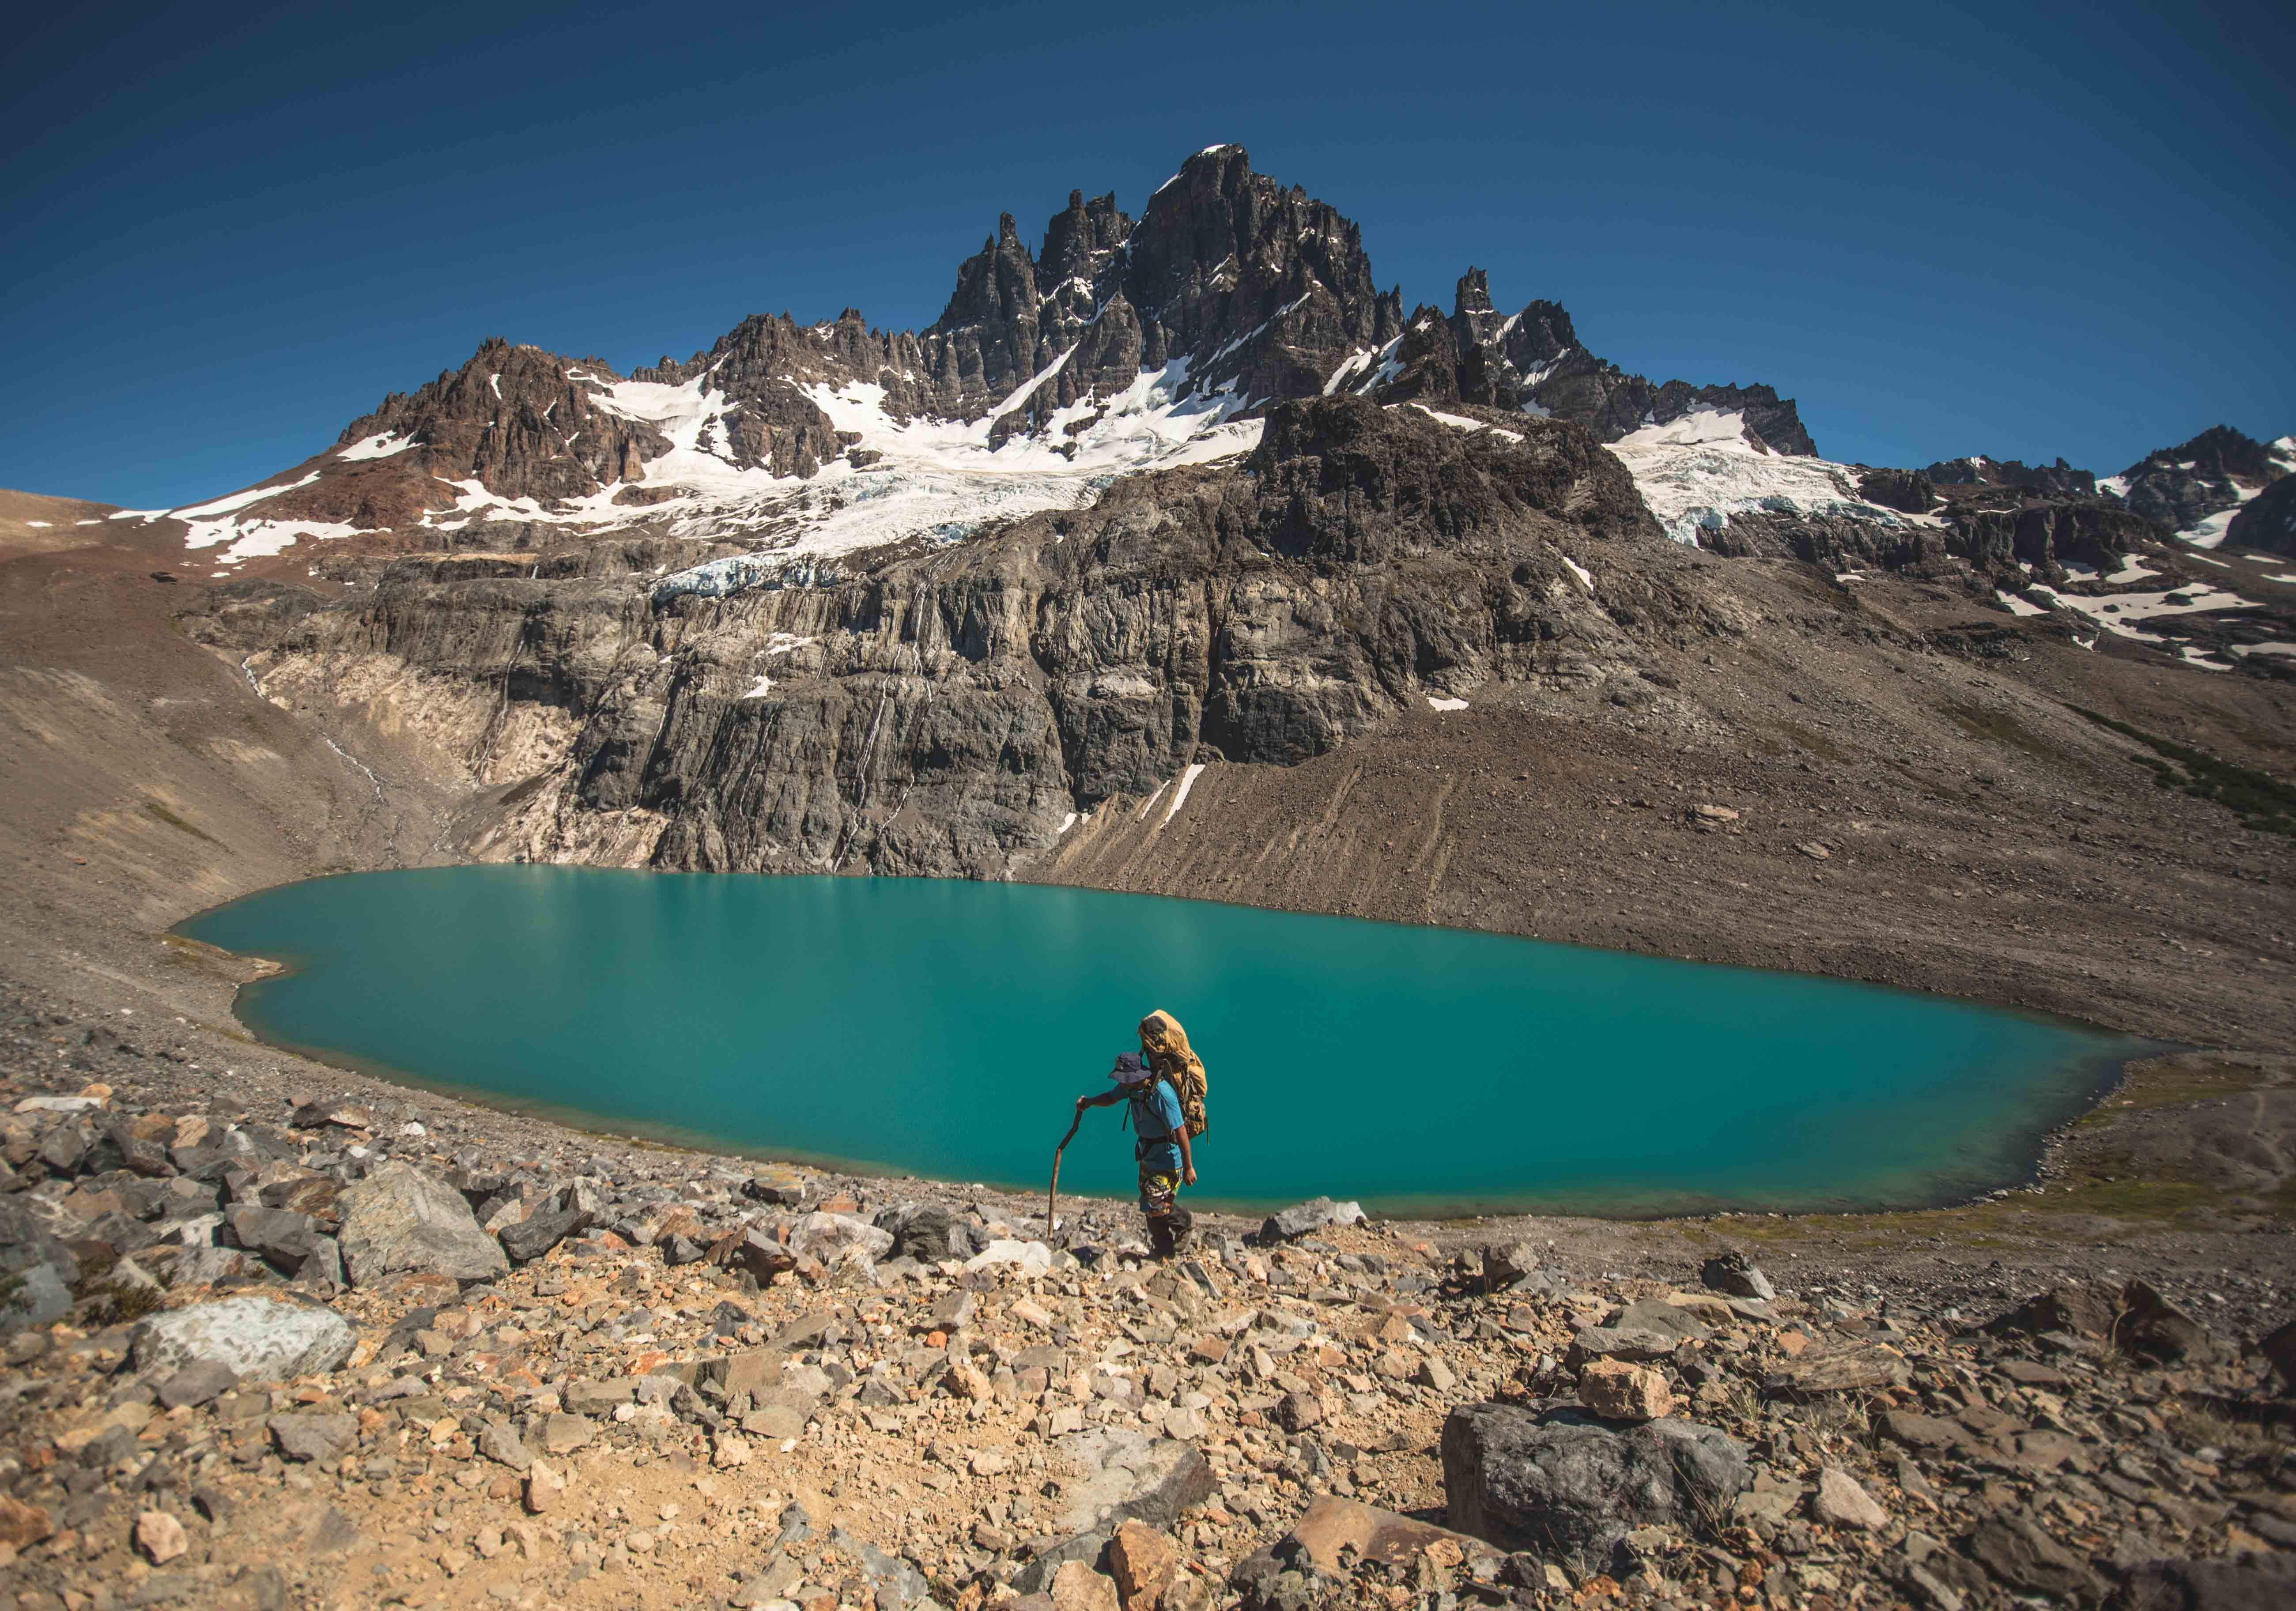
[(934, 479), (1461, 422), (381, 446), (235, 502), (1697, 471)]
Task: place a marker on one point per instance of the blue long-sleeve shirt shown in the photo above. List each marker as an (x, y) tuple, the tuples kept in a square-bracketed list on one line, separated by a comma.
[(1156, 1118)]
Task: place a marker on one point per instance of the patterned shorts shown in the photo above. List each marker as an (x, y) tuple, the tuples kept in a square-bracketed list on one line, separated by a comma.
[(1159, 1190)]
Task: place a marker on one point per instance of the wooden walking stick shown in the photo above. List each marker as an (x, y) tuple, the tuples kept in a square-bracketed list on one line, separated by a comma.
[(1053, 1196)]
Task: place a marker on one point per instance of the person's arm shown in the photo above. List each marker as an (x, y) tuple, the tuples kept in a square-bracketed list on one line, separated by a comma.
[(1187, 1158), (1102, 1100)]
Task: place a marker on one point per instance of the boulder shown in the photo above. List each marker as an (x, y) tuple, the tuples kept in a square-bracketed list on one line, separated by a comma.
[(2279, 1347), (309, 1437), (2247, 1583), (1143, 1562), (1077, 1587), (281, 1236), (1656, 1314), (1565, 1485), (1618, 1391), (1118, 1473), (1298, 1411), (399, 1218), (926, 1233), (2029, 1561), (22, 1525), (270, 1340), (528, 1239), (1842, 1502), (2078, 1307), (159, 1537), (2152, 1328), (197, 1382), (1736, 1274), (1335, 1531), (1290, 1224), (835, 1238), (25, 1242), (33, 1296), (1029, 1258), (1509, 1264), (1846, 1365), (755, 1254), (777, 1184), (1612, 1342)]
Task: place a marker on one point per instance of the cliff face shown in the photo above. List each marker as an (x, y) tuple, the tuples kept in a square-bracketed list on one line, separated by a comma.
[(952, 712)]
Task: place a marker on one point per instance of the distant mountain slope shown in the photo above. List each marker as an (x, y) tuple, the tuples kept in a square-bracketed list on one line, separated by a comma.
[(32, 522)]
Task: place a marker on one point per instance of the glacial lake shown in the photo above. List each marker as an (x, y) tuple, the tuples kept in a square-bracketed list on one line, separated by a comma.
[(943, 1028)]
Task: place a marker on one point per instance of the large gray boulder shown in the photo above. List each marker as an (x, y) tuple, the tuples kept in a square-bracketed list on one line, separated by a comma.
[(1567, 1485), (1114, 1475), (262, 1338), (1290, 1224), (1118, 1474), (25, 1242), (32, 1297), (398, 1218), (1736, 1274), (563, 1215), (926, 1233)]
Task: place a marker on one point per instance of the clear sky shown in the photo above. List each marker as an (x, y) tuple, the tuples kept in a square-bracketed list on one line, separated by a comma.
[(2021, 231)]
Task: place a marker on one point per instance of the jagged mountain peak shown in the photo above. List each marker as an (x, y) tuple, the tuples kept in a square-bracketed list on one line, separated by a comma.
[(1118, 344)]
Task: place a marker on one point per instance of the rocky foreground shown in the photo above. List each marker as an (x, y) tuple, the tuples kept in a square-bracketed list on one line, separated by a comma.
[(332, 1353)]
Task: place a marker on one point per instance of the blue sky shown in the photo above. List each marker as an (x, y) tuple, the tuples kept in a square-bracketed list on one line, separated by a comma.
[(2019, 230)]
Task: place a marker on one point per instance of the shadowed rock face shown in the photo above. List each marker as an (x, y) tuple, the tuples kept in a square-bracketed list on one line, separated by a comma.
[(1536, 359), (2178, 487), (943, 712), (2268, 522)]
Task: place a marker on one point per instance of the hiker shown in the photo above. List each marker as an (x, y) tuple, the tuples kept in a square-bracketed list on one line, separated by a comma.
[(1161, 1147)]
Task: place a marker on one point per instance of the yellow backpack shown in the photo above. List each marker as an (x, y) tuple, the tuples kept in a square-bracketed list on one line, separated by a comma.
[(1165, 1044)]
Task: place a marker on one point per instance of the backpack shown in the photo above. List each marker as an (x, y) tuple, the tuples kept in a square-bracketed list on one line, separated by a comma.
[(1165, 1044)]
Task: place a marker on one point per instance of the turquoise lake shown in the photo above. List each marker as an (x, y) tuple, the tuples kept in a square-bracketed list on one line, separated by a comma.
[(943, 1028)]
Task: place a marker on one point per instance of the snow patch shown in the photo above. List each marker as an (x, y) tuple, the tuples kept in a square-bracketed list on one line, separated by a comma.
[(936, 480), (235, 502), (1585, 576), (1435, 704), (2017, 606), (1699, 471), (1461, 423), (379, 446), (1180, 795)]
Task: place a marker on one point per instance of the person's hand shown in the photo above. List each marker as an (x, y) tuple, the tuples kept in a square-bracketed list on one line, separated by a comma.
[(1081, 1102), (1188, 1175)]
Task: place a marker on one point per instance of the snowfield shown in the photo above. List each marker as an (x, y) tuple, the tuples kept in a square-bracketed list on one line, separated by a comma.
[(1698, 471), (932, 479)]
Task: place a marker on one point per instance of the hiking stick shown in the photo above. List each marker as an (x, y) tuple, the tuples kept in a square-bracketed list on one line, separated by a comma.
[(1053, 1195)]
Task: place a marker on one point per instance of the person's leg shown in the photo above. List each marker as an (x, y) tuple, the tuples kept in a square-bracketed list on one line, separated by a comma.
[(1181, 1222), (1157, 1190)]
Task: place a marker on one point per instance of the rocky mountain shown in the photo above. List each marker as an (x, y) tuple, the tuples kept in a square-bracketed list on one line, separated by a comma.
[(1116, 345), (1155, 495), (2195, 488), (2267, 521), (1977, 471)]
